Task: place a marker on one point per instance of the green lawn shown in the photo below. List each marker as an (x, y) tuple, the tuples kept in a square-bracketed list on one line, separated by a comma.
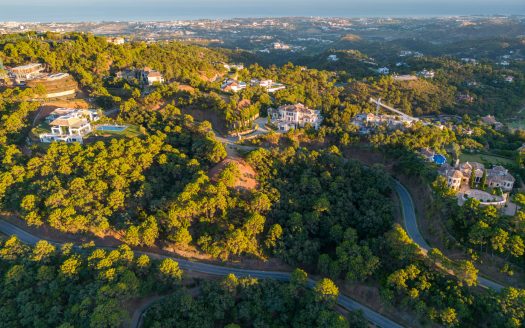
[(487, 159), (517, 124)]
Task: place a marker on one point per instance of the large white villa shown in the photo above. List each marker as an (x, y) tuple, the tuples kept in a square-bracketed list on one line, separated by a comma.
[(294, 116), (69, 125)]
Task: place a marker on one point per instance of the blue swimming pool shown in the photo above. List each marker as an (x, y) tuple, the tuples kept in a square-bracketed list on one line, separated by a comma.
[(111, 128), (439, 159)]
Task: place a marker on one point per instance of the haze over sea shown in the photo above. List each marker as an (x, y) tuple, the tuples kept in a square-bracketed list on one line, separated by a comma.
[(165, 10)]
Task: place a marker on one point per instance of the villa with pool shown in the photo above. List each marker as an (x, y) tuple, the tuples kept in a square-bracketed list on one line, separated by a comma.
[(473, 180), (69, 125)]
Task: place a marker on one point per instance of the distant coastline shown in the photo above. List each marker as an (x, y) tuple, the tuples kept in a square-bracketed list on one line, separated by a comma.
[(78, 13), (196, 19)]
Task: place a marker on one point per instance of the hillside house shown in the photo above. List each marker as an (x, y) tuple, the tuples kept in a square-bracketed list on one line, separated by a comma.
[(427, 74), (91, 114), (116, 40), (231, 85), (288, 117), (69, 127), (460, 175), (150, 76), (392, 122), (269, 85), (27, 72), (58, 85)]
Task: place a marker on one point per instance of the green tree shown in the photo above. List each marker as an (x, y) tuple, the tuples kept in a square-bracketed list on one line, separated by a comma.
[(326, 290), (169, 271)]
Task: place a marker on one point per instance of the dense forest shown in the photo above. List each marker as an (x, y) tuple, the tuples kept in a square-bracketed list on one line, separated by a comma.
[(313, 207), (47, 286), (249, 302)]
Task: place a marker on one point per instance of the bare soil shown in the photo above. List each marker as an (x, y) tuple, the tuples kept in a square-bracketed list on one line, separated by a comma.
[(247, 179)]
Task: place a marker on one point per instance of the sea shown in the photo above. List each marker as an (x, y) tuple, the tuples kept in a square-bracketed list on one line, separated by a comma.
[(165, 10)]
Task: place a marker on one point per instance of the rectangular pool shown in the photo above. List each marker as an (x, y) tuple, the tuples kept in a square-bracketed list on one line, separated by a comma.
[(111, 128)]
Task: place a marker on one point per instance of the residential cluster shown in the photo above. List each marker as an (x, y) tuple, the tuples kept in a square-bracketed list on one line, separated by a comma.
[(473, 180), (145, 76), (69, 125), (367, 122), (294, 116)]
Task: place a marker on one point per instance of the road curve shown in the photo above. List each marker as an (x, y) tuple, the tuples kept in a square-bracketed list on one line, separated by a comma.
[(189, 266), (411, 226)]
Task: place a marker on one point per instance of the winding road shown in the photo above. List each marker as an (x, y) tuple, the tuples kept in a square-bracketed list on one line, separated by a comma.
[(411, 226), (189, 266)]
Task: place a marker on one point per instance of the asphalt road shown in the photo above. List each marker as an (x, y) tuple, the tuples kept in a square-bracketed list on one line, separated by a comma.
[(189, 266), (411, 226)]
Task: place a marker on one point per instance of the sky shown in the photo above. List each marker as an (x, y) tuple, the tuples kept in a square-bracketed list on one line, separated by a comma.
[(147, 10)]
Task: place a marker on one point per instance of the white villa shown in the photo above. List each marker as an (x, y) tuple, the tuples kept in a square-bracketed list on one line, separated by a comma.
[(427, 74), (69, 125), (394, 122), (269, 85), (232, 85), (294, 116), (150, 76), (460, 175)]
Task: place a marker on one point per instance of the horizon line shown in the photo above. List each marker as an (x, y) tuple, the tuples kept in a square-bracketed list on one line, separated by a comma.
[(425, 16)]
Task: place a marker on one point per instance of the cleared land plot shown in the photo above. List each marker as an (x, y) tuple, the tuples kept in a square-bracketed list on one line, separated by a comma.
[(247, 179)]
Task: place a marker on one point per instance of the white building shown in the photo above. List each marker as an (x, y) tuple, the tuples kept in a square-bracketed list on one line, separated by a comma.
[(427, 74), (333, 58), (71, 126), (269, 85), (383, 70), (280, 46), (27, 72), (91, 114), (294, 116), (150, 76), (231, 85), (116, 40), (393, 122)]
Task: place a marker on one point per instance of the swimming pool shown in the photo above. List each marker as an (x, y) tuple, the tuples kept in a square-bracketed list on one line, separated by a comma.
[(111, 128)]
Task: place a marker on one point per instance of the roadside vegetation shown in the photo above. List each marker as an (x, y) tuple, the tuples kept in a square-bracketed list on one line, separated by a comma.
[(311, 206)]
